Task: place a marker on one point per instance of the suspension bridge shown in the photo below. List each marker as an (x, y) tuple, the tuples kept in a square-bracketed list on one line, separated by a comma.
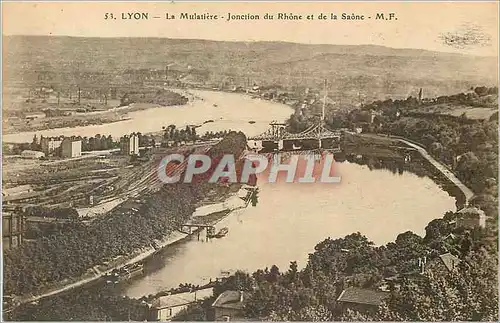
[(316, 136)]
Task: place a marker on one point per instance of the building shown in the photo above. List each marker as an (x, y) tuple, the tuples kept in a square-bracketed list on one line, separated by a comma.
[(471, 217), (229, 306), (66, 147), (71, 147), (51, 145), (441, 265), (165, 308), (34, 116), (32, 154), (13, 225), (361, 299), (129, 145)]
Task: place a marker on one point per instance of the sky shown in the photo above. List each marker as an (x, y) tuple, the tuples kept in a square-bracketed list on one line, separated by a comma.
[(461, 27)]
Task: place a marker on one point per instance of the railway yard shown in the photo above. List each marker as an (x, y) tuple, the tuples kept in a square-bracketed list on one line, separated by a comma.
[(80, 189)]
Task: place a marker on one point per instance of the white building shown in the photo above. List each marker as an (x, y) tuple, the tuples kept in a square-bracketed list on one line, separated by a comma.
[(129, 145), (71, 147), (166, 307), (50, 145), (255, 145)]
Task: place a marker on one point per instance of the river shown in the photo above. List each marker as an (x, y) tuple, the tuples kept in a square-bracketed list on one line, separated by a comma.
[(289, 219), (226, 110)]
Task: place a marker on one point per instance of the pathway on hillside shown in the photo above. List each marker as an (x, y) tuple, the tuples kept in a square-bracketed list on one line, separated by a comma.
[(443, 169)]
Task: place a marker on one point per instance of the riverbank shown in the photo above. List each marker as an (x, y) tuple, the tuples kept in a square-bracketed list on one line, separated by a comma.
[(143, 254), (75, 115), (139, 255), (466, 193)]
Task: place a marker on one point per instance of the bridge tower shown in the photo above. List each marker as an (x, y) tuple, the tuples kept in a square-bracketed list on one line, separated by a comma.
[(322, 120), (277, 129), (324, 102)]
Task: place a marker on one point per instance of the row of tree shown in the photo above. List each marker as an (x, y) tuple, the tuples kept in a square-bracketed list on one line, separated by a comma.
[(172, 133), (70, 253), (159, 97), (189, 134), (475, 97)]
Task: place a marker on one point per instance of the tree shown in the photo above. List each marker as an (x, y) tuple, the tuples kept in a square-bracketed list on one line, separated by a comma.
[(293, 273), (194, 312), (34, 143), (240, 281), (255, 197), (274, 274), (125, 99), (481, 90), (194, 136), (467, 295), (97, 142)]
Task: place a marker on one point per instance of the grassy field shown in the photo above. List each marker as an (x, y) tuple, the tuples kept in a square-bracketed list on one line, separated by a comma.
[(470, 112)]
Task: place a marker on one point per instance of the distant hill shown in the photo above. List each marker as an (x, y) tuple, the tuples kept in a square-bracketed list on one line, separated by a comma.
[(368, 71)]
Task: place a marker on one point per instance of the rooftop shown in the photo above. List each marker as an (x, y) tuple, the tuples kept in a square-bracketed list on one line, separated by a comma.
[(173, 300), (362, 296), (231, 299), (449, 260), (180, 299), (471, 210)]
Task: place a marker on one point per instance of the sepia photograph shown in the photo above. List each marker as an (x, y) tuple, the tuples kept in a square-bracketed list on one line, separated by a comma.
[(250, 161)]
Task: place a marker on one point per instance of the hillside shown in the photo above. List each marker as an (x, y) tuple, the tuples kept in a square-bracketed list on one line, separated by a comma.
[(375, 72)]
